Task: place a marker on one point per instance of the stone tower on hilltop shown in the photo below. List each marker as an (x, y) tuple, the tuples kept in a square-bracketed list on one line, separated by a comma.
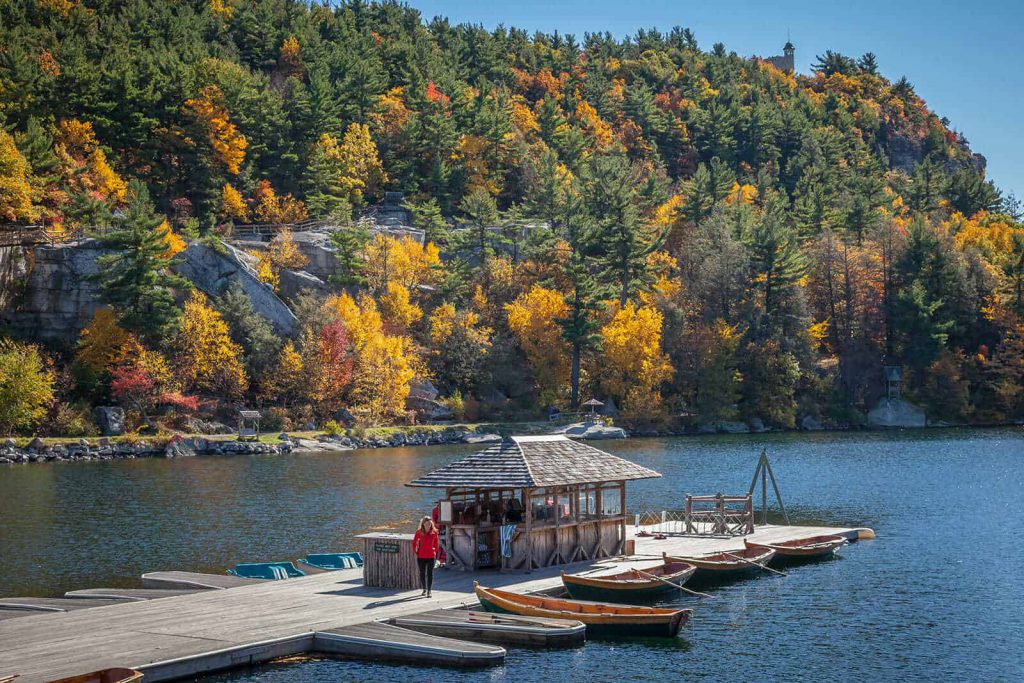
[(785, 62)]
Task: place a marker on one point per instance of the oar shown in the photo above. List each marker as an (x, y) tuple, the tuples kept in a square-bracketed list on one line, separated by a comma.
[(743, 559), (674, 585)]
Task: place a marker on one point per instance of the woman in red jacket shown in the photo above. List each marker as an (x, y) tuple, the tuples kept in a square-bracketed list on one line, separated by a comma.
[(426, 545)]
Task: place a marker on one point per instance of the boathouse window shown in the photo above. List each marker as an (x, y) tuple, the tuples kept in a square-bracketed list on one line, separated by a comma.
[(587, 501), (611, 500)]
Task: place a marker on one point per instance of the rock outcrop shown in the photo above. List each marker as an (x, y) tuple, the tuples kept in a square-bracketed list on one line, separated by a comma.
[(896, 413), (110, 420), (52, 295), (591, 430), (213, 272)]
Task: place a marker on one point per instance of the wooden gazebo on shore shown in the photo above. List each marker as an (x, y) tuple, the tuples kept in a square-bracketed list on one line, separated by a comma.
[(533, 501)]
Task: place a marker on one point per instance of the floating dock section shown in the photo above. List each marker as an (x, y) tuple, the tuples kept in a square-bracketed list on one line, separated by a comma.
[(195, 580), (129, 594), (384, 641)]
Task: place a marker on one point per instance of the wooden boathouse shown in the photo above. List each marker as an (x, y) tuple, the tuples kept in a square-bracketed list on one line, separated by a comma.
[(533, 502)]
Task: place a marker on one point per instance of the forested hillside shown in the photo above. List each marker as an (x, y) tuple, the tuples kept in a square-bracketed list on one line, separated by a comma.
[(711, 239)]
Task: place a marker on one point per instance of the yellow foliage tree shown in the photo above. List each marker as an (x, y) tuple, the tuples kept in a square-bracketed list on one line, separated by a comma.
[(397, 307), (175, 242), (286, 380), (361, 164), (598, 130), (222, 9), (16, 191), (103, 343), (634, 364), (402, 260), (206, 357), (82, 163), (265, 271), (384, 364), (284, 252), (532, 318), (211, 114), (391, 114), (232, 206)]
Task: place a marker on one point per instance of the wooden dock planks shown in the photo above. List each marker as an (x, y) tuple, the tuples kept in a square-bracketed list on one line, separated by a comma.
[(44, 646)]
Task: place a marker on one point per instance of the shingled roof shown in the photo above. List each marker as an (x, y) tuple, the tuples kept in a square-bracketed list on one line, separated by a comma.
[(534, 462)]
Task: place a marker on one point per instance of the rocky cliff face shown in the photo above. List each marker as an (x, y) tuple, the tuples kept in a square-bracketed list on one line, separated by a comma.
[(48, 296), (213, 273)]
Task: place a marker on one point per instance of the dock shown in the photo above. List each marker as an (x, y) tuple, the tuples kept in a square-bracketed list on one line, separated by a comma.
[(229, 625), (384, 641), (131, 594)]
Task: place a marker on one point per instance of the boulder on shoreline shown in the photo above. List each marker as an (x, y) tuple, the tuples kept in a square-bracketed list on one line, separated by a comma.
[(896, 413), (591, 430)]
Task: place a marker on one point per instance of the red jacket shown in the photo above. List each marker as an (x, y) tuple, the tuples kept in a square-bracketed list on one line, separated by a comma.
[(426, 545)]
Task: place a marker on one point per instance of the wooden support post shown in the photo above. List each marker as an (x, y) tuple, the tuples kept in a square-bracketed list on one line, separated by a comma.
[(622, 515), (528, 493)]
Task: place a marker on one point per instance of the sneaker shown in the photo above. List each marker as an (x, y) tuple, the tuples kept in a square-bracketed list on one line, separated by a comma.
[(428, 594)]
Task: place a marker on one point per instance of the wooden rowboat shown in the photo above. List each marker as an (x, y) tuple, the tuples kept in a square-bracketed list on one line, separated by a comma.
[(117, 675), (727, 565), (631, 586), (813, 548), (601, 619)]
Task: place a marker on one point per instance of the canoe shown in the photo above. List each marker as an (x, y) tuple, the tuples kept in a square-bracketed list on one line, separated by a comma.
[(333, 561), (727, 565), (631, 586), (117, 675), (266, 570), (601, 619), (815, 547), (503, 629)]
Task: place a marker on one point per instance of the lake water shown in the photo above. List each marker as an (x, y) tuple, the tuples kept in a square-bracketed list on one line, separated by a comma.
[(939, 595)]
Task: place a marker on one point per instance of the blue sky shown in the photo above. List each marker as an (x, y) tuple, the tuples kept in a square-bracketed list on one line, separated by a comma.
[(964, 59)]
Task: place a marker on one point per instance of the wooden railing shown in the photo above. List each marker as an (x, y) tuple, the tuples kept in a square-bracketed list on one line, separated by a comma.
[(719, 515), (47, 235), (716, 515)]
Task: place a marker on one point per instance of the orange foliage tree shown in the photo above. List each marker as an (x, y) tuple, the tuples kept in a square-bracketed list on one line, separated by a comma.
[(208, 110)]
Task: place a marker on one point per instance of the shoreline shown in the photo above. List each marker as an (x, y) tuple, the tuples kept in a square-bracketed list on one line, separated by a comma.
[(86, 449)]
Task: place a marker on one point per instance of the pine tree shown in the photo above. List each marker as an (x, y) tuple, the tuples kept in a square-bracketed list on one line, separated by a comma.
[(621, 241), (350, 243), (776, 259), (427, 216), (134, 280), (708, 186)]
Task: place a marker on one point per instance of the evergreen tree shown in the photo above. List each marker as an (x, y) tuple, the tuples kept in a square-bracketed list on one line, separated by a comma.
[(426, 215), (249, 330), (135, 280), (349, 242), (776, 260), (621, 242), (708, 186)]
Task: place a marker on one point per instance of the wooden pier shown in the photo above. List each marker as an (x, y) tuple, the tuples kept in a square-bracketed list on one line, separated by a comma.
[(220, 626)]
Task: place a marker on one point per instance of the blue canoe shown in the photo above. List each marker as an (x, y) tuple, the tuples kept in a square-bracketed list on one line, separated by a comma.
[(266, 570), (333, 561)]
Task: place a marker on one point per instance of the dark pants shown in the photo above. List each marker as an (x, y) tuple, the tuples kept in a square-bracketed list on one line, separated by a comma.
[(426, 572)]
